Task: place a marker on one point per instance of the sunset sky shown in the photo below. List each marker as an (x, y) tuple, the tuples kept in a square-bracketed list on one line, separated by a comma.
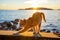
[(19, 4)]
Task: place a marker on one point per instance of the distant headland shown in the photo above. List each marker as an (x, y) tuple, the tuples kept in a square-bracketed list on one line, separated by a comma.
[(39, 8)]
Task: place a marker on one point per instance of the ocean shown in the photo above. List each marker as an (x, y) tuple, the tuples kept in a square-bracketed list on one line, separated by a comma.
[(52, 16)]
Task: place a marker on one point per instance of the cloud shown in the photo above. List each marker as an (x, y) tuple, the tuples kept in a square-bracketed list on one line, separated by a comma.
[(30, 2), (3, 4), (37, 1)]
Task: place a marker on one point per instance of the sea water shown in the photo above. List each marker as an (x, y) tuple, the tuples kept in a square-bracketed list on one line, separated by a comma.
[(52, 16)]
